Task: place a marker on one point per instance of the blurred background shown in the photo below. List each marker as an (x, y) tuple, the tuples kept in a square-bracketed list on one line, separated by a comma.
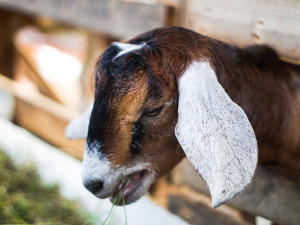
[(47, 53)]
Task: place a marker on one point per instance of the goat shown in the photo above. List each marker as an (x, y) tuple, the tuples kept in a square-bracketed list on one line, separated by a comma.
[(171, 93)]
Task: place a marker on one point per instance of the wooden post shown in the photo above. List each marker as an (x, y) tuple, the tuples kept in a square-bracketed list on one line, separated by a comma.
[(269, 195)]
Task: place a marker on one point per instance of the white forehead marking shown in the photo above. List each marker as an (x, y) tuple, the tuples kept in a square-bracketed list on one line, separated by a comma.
[(126, 48)]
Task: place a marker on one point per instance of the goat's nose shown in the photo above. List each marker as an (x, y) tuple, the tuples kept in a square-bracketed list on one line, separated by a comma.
[(93, 186)]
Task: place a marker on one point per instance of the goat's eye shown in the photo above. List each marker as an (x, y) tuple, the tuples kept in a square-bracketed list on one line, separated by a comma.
[(152, 112)]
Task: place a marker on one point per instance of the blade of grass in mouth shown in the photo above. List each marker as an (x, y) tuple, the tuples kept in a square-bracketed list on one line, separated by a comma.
[(124, 208), (116, 202), (122, 197)]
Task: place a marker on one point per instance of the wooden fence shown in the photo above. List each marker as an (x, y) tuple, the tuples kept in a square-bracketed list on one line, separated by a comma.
[(239, 22)]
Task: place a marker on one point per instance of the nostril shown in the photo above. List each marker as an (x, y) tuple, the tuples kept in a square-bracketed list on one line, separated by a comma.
[(93, 186)]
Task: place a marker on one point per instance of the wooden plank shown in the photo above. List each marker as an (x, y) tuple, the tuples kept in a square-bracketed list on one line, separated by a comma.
[(36, 64), (245, 22), (122, 19), (195, 207), (26, 64), (197, 213), (9, 24), (43, 117), (269, 195)]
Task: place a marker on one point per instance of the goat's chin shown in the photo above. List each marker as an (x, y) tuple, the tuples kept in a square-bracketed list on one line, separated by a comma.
[(132, 187)]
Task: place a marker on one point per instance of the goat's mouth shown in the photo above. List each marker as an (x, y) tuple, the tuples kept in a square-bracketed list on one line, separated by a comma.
[(131, 187)]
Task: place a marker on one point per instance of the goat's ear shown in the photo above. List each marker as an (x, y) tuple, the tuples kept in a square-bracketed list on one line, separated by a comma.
[(78, 128), (215, 133)]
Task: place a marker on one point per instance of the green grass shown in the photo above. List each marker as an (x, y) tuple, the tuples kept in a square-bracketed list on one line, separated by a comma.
[(120, 196), (24, 199)]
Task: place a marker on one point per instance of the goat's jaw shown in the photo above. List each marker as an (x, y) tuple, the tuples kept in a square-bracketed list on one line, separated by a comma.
[(122, 184)]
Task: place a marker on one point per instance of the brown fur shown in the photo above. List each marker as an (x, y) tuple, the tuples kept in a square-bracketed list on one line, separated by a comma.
[(253, 77)]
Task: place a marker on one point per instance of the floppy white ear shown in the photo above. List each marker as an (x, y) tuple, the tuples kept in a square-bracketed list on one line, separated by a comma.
[(78, 128), (215, 133)]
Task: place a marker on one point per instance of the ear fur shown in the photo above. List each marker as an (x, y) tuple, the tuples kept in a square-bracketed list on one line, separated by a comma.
[(215, 133), (78, 128)]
